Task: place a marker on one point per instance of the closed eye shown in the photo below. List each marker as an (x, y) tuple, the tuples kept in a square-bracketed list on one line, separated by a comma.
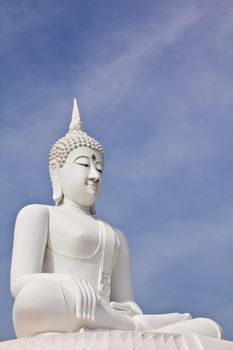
[(86, 165)]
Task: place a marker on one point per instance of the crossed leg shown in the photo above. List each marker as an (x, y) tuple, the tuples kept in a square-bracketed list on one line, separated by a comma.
[(179, 323), (49, 306)]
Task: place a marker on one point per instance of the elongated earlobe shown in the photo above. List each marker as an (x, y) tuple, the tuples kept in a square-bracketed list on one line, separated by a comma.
[(54, 170)]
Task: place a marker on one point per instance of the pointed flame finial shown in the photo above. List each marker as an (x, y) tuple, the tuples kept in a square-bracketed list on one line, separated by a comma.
[(76, 123)]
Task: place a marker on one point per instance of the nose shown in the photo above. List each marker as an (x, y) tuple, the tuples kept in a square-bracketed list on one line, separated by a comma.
[(94, 175)]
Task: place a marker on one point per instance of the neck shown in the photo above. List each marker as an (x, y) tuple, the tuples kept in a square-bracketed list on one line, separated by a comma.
[(67, 203)]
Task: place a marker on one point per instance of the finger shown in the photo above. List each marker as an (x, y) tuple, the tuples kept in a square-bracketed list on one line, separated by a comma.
[(94, 300), (84, 310), (89, 298), (86, 298), (78, 299), (113, 304), (119, 306), (84, 295)]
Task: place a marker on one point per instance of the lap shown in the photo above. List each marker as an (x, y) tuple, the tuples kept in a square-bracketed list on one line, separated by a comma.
[(49, 306)]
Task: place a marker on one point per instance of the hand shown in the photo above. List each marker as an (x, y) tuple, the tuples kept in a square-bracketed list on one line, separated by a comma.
[(86, 298), (129, 308)]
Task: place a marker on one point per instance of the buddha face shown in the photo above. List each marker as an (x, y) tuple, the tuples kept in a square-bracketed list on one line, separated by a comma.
[(81, 175)]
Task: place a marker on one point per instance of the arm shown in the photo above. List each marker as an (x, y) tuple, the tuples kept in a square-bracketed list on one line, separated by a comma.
[(31, 231), (121, 283)]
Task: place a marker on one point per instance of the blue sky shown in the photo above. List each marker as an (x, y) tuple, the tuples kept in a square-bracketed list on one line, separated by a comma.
[(154, 81)]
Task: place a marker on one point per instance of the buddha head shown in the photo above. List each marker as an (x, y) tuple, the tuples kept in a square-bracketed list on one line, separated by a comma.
[(76, 165)]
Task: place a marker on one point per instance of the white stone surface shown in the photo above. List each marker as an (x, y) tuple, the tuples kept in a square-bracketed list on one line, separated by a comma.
[(71, 270), (117, 340)]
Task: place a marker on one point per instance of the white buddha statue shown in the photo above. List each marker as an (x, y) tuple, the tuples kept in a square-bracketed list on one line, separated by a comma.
[(71, 270)]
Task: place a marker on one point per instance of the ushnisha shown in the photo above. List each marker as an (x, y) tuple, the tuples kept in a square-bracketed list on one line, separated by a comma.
[(76, 137), (71, 270)]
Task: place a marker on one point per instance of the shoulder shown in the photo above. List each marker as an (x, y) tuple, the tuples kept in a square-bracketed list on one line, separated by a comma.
[(32, 218), (120, 237), (33, 211), (122, 243)]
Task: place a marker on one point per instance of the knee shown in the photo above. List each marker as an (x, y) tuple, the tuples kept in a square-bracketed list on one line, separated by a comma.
[(33, 297), (210, 327), (42, 306)]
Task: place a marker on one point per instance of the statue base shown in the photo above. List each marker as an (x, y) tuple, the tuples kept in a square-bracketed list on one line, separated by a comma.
[(115, 340)]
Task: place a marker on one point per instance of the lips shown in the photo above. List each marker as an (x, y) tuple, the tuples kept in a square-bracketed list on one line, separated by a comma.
[(92, 186)]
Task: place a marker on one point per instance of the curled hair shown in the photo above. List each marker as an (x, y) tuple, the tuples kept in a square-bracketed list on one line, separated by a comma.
[(73, 139)]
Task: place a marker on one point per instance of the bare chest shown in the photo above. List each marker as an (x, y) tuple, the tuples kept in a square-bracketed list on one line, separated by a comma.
[(73, 235)]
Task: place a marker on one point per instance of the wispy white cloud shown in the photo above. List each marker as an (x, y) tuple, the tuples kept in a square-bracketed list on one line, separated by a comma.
[(96, 85), (113, 78), (14, 18), (185, 252), (107, 83), (18, 17)]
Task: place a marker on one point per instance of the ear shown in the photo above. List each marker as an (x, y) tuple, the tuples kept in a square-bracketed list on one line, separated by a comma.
[(54, 170)]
